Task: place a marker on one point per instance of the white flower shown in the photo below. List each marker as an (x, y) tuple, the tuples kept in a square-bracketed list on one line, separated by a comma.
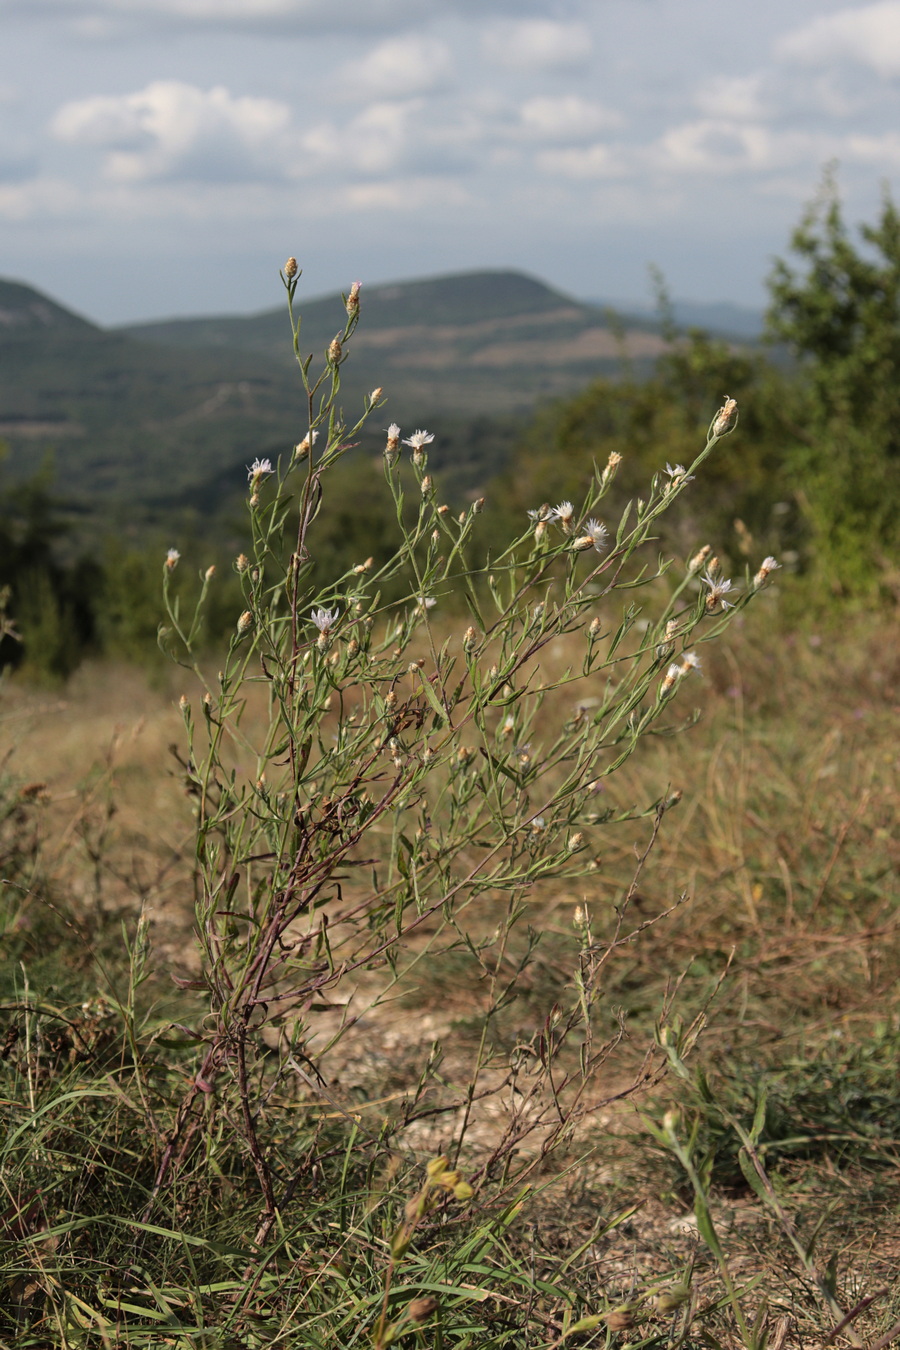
[(425, 602), (418, 439), (565, 515), (598, 534), (679, 475), (540, 514), (172, 558), (260, 468), (325, 619), (689, 661), (718, 589)]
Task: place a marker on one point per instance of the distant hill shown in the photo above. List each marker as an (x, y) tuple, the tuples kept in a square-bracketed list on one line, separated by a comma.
[(155, 418), (25, 313), (492, 342)]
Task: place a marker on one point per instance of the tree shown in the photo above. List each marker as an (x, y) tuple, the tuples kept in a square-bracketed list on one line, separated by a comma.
[(838, 313)]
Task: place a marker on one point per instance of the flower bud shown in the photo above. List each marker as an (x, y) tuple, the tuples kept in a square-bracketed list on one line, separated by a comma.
[(726, 418), (620, 1319), (672, 1297), (335, 350), (245, 623), (351, 304), (421, 1308), (766, 568), (290, 268)]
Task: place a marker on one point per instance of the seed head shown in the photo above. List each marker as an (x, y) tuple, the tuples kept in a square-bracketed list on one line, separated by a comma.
[(241, 562), (352, 302)]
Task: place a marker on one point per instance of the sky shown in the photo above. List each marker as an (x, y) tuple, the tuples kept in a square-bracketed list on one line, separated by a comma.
[(164, 157)]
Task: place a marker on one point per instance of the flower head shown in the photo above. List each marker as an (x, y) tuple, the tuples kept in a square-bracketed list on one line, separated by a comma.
[(564, 515), (718, 589), (425, 602), (598, 534), (679, 475), (258, 470), (542, 513), (418, 440), (325, 619), (172, 558)]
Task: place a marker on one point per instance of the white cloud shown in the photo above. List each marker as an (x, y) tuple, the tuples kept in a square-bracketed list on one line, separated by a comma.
[(38, 199), (738, 97), (104, 19), (398, 68), (715, 145), (869, 36), (581, 162), (538, 44), (567, 118), (175, 130), (374, 142)]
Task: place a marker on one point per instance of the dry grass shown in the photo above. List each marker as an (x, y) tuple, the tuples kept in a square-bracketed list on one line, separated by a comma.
[(785, 844)]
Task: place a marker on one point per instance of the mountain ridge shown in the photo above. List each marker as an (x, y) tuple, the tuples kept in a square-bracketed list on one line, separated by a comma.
[(144, 415)]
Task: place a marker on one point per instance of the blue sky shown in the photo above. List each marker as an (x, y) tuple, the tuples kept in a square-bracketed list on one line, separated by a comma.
[(163, 157)]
